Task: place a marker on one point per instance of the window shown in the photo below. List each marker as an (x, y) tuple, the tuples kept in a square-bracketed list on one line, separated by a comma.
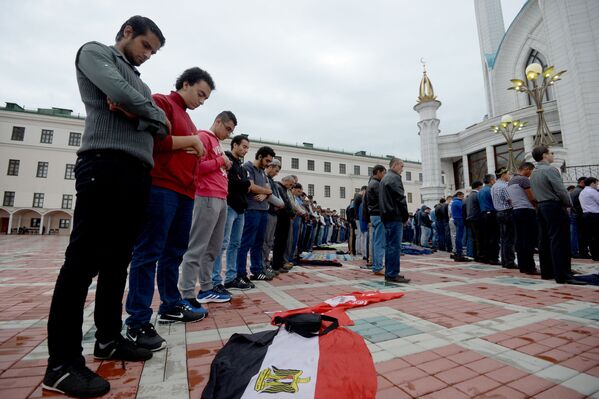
[(327, 167), (47, 136), (327, 191), (69, 172), (9, 198), (458, 173), (408, 176), (64, 223), (38, 200), (18, 133), (42, 169), (502, 154), (357, 170), (74, 139), (13, 167), (420, 177), (341, 192), (370, 169), (35, 222), (536, 57), (410, 198), (311, 189), (342, 169), (294, 163), (67, 201), (443, 179), (310, 164), (477, 165)]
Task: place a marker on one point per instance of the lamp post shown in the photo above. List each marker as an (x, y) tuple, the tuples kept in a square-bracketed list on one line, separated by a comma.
[(549, 77), (508, 128)]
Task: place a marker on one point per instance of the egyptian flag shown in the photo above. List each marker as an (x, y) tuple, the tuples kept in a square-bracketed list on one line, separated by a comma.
[(279, 364)]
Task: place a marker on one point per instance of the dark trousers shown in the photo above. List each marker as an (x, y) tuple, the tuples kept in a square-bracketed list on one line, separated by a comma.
[(507, 235), (112, 195), (281, 235), (525, 224), (584, 235), (491, 236), (554, 241), (352, 240), (478, 248), (591, 222), (440, 226)]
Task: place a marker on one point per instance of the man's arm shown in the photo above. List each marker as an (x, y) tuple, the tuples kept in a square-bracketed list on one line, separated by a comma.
[(558, 187)]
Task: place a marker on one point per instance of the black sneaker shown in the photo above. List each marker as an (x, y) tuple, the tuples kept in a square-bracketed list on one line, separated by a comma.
[(239, 284), (221, 289), (184, 312), (75, 380), (246, 280), (398, 279), (146, 337), (121, 349)]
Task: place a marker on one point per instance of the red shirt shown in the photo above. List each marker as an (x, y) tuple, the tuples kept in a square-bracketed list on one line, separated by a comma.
[(174, 170), (211, 178)]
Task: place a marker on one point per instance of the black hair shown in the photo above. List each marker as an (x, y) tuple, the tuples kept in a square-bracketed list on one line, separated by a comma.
[(459, 193), (227, 116), (589, 180), (570, 188), (238, 139), (442, 201), (141, 26), (487, 179), (526, 165), (476, 184), (364, 188), (377, 169), (264, 152), (582, 178), (193, 76), (298, 186), (537, 152)]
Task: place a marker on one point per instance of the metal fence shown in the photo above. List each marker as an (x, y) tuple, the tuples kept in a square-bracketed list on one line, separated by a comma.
[(572, 173)]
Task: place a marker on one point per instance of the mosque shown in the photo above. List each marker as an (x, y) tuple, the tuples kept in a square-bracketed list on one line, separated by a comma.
[(564, 34)]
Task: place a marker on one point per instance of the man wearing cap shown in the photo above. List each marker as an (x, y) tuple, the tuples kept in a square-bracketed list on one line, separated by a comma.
[(503, 205)]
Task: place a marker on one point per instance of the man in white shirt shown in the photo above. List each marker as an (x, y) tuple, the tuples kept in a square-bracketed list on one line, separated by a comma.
[(589, 201)]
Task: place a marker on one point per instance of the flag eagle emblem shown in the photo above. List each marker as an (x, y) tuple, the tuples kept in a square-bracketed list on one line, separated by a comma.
[(275, 380)]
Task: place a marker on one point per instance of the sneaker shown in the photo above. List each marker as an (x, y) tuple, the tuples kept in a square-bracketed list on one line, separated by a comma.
[(398, 279), (184, 312), (75, 380), (121, 349), (248, 281), (146, 337), (260, 276), (269, 271), (239, 284), (212, 296), (221, 290)]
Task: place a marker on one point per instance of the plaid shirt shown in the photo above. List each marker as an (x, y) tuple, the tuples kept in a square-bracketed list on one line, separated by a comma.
[(500, 196)]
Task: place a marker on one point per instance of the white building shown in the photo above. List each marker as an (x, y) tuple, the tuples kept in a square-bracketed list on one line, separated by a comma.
[(38, 153), (549, 32)]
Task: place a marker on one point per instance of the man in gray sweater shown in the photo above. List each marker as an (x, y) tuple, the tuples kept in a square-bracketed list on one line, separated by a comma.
[(112, 182)]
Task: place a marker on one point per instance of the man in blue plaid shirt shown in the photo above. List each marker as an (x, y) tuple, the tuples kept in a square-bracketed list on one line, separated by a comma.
[(503, 205)]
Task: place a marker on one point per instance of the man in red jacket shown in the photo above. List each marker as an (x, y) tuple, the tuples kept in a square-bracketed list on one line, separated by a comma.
[(165, 234), (209, 216)]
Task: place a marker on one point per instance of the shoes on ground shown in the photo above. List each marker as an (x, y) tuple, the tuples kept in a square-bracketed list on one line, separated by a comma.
[(398, 279), (75, 380), (379, 273), (187, 311), (212, 296), (248, 281), (146, 337), (533, 273), (221, 290), (461, 259), (572, 282), (238, 283), (121, 349), (260, 276)]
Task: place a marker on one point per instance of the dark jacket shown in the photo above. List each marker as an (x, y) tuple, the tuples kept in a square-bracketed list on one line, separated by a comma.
[(392, 199), (282, 193), (239, 184), (425, 220), (372, 197), (574, 196), (473, 207)]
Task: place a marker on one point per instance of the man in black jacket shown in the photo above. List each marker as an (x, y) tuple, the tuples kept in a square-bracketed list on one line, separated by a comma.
[(580, 249), (284, 216), (475, 220), (394, 213), (378, 229)]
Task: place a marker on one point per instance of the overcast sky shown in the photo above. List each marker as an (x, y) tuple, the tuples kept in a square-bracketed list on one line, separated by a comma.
[(342, 74)]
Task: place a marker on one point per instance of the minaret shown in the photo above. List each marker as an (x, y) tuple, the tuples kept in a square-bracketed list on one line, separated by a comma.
[(432, 189), (489, 21)]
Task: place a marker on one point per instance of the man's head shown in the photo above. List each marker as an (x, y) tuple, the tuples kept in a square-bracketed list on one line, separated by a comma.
[(570, 188), (476, 185), (591, 182), (442, 200), (264, 157), (379, 171), (526, 168), (581, 180), (224, 124), (363, 189), (240, 145), (194, 86), (273, 168), (396, 165), (459, 195), (449, 198), (542, 153), (297, 189), (288, 182), (489, 179), (138, 39), (502, 174)]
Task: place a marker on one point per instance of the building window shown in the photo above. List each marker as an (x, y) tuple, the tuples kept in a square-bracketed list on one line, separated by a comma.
[(69, 172), (536, 57), (408, 176), (370, 169), (502, 154), (74, 139), (13, 167), (294, 163), (342, 169), (327, 191), (64, 223), (477, 165), (420, 177), (311, 189), (67, 201), (47, 136), (458, 173), (357, 170), (410, 198), (9, 198), (327, 167), (341, 192), (35, 222), (443, 179), (42, 169), (18, 133), (38, 200), (310, 164)]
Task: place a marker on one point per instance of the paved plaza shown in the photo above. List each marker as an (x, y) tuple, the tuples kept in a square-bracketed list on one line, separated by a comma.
[(460, 331)]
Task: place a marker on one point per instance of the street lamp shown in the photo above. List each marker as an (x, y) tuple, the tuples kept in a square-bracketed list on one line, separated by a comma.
[(508, 128), (533, 71)]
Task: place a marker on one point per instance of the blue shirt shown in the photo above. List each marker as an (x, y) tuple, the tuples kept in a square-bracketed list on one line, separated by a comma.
[(456, 208), (485, 200)]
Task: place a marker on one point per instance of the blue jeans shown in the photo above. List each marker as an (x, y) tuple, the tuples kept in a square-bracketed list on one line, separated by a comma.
[(252, 239), (231, 241), (469, 242), (163, 239), (459, 235), (297, 222), (393, 234), (378, 239), (573, 235), (440, 226), (425, 235)]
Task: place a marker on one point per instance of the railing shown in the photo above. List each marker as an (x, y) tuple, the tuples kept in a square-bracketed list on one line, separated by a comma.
[(572, 173)]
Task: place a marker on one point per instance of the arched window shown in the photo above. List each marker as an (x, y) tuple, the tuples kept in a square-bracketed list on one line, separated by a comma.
[(536, 57)]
